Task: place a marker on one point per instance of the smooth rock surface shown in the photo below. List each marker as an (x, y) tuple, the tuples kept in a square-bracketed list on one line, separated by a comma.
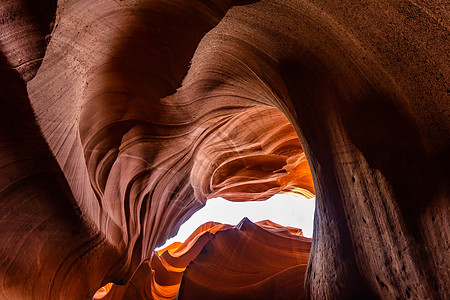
[(142, 110), (261, 260)]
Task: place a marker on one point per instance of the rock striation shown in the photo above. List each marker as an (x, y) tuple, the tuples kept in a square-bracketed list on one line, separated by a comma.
[(218, 261), (119, 119), (249, 262)]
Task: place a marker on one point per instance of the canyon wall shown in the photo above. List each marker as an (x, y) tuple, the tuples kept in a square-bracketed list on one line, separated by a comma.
[(119, 119), (261, 260)]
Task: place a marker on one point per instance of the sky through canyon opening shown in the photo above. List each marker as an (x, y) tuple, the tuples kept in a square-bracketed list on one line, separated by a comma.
[(283, 209)]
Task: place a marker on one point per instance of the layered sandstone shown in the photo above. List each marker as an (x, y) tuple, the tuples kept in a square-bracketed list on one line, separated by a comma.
[(119, 119), (218, 261)]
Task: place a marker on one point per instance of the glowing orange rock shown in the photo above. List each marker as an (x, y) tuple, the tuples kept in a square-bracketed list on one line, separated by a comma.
[(249, 262), (272, 251), (142, 110)]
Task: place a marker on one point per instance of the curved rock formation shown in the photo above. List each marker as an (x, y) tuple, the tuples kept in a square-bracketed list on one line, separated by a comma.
[(160, 276), (249, 262), (25, 28), (141, 110), (219, 261)]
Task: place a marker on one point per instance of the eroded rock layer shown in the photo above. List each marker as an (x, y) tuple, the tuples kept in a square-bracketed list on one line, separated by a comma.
[(249, 262), (120, 118), (25, 28), (160, 276), (246, 261)]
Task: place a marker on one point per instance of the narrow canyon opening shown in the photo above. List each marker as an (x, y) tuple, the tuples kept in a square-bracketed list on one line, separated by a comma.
[(181, 123), (120, 119), (262, 226), (254, 231), (283, 209)]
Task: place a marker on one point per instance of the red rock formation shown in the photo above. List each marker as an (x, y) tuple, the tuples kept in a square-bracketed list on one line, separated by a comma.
[(144, 110), (25, 28), (260, 261), (160, 276), (249, 262)]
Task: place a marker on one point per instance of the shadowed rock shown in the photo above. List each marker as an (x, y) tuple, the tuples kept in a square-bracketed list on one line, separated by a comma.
[(142, 110)]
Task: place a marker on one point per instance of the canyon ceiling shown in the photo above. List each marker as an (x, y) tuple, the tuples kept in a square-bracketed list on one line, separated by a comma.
[(119, 119)]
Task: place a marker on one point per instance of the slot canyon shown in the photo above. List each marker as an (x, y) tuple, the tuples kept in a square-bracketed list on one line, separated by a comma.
[(120, 118)]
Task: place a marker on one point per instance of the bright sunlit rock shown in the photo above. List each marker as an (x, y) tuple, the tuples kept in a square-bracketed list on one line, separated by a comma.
[(286, 210)]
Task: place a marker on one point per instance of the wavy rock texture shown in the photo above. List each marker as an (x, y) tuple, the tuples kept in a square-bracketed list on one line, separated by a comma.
[(271, 264), (249, 262), (25, 28), (141, 110), (160, 276)]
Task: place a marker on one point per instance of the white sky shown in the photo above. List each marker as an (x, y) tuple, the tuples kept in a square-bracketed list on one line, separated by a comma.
[(286, 210)]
